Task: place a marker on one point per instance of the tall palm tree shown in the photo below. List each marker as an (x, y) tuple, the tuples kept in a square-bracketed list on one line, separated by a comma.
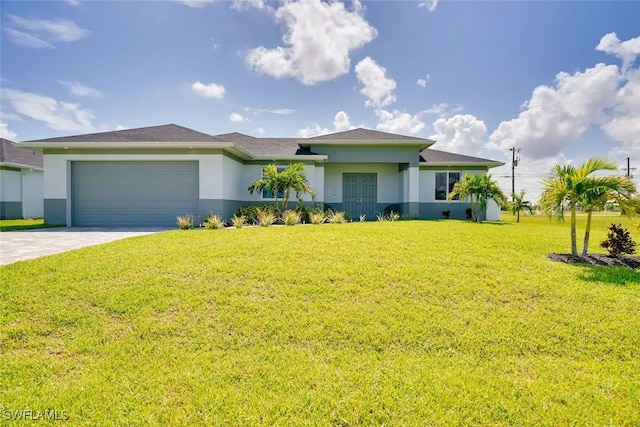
[(519, 204), (479, 189), (281, 184), (601, 190), (567, 185)]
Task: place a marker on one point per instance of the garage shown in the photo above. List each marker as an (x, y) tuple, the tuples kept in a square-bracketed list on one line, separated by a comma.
[(132, 193)]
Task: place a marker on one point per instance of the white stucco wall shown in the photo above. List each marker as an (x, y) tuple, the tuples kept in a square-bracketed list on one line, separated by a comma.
[(32, 194), (493, 211), (389, 181), (10, 186)]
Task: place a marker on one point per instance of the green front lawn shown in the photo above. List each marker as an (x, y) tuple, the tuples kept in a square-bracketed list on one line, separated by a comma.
[(405, 323), (24, 224)]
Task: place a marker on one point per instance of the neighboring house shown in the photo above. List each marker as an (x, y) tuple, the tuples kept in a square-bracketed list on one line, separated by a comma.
[(147, 176), (21, 182)]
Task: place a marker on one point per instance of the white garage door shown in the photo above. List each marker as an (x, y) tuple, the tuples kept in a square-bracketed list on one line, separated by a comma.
[(132, 193)]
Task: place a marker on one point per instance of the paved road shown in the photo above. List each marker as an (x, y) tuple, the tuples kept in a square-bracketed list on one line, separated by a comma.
[(28, 244)]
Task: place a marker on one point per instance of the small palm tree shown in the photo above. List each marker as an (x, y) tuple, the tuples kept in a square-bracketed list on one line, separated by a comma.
[(519, 204), (479, 189), (567, 186), (602, 190), (281, 184)]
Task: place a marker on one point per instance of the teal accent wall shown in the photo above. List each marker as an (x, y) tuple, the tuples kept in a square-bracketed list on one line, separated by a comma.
[(10, 210), (369, 154), (55, 211), (434, 210)]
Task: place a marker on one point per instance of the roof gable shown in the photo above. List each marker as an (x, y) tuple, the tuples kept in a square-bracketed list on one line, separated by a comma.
[(438, 157), (163, 133), (10, 153), (362, 135)]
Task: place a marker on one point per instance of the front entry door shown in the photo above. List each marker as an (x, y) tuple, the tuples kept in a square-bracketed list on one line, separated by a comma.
[(360, 194)]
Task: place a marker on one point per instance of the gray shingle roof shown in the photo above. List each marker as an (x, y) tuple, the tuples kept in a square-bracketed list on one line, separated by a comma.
[(164, 133), (265, 146), (10, 153), (361, 134), (436, 156)]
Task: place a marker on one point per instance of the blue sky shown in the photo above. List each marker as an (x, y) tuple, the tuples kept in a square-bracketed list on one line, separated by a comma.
[(559, 80)]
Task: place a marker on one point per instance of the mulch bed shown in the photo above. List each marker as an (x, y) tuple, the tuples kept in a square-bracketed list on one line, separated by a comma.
[(632, 262)]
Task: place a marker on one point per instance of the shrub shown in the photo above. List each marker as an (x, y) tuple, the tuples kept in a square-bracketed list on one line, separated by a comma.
[(381, 217), (336, 217), (446, 214), (363, 218), (317, 217), (251, 212), (265, 218), (291, 217), (213, 222), (468, 213), (618, 241), (393, 216), (238, 221), (185, 222)]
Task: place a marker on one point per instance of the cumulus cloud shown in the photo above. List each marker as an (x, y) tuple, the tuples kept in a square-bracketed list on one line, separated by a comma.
[(210, 90), (39, 33), (57, 115), (196, 3), (122, 127), (237, 118), (317, 45), (341, 122), (556, 116), (260, 130), (79, 89), (423, 82), (442, 109), (378, 88), (623, 122), (430, 5), (462, 134), (244, 5), (627, 51), (398, 122), (6, 133)]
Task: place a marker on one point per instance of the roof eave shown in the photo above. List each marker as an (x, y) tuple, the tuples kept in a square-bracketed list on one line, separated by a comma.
[(488, 164), (21, 166), (423, 144), (309, 157)]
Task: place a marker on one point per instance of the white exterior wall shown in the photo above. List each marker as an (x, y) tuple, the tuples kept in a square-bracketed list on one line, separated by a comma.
[(233, 180), (10, 185), (389, 180), (493, 211), (32, 194)]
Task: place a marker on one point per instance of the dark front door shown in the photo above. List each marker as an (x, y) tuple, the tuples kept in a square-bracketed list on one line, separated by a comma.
[(360, 194)]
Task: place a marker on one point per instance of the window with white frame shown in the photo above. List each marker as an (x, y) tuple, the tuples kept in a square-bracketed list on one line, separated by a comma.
[(265, 193), (444, 184)]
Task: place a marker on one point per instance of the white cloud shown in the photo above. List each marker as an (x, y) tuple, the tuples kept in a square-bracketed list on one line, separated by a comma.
[(79, 89), (244, 5), (442, 109), (430, 5), (377, 86), (39, 33), (462, 134), (423, 82), (341, 121), (57, 115), (237, 118), (196, 3), (122, 127), (556, 116), (623, 123), (319, 39), (210, 90), (278, 111), (6, 133), (260, 130), (627, 51), (398, 122)]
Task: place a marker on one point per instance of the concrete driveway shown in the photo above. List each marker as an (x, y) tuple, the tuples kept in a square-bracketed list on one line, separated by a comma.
[(28, 244)]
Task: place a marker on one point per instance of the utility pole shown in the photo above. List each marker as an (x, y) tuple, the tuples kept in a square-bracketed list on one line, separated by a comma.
[(514, 163), (629, 168)]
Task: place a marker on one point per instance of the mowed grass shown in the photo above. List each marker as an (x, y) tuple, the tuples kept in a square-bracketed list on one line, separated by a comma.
[(403, 323), (24, 224)]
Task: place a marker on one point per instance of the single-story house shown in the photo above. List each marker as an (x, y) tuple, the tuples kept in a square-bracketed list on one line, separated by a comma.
[(21, 182), (148, 176)]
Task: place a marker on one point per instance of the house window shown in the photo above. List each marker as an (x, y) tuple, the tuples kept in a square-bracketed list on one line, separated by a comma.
[(444, 184), (265, 193)]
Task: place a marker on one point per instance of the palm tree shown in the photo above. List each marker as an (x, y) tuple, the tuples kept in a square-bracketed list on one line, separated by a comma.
[(479, 189), (602, 190), (519, 204), (567, 186), (280, 184)]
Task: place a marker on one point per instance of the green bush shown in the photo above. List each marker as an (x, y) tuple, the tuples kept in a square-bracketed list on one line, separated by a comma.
[(185, 222), (318, 217), (213, 222), (265, 218), (251, 212), (238, 221), (337, 217)]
